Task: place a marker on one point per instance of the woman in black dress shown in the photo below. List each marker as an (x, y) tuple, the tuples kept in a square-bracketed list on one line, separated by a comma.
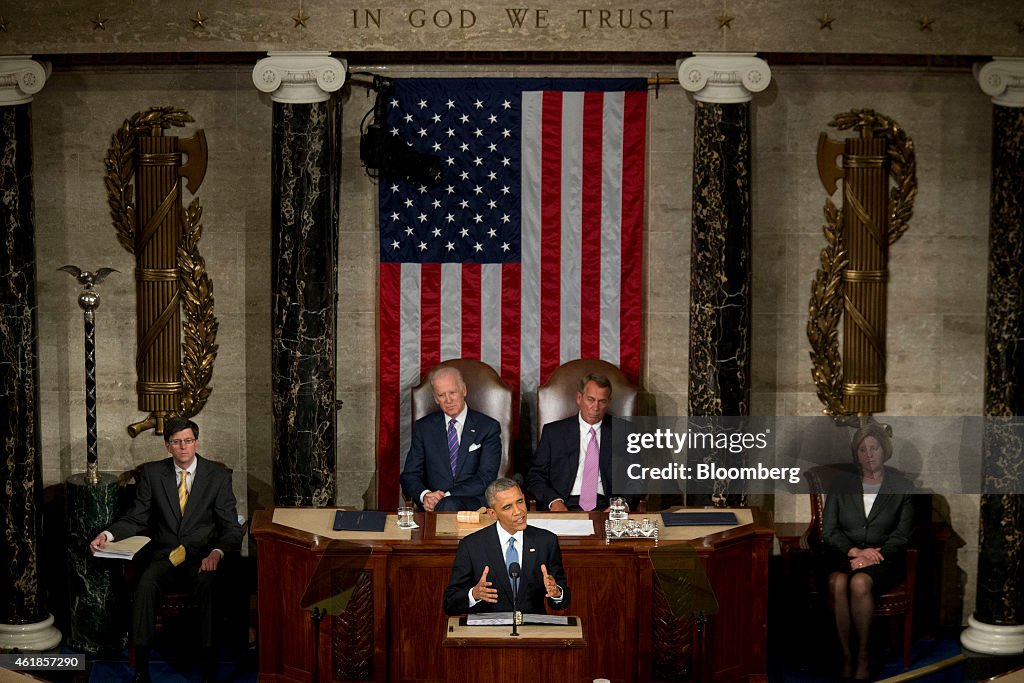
[(868, 520)]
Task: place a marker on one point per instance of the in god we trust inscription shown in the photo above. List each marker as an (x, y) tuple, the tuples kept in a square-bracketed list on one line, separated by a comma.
[(537, 18)]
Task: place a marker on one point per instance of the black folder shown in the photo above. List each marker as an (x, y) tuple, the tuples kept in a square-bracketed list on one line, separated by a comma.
[(699, 518), (360, 520)]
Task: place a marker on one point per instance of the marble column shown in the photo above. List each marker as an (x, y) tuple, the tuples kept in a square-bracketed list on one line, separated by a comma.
[(24, 621), (720, 266), (997, 625), (305, 186)]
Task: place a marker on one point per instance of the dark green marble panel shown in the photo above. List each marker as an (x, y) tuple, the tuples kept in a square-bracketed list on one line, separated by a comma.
[(96, 591)]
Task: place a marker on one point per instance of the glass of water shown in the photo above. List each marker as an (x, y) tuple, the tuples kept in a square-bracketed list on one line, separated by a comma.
[(405, 517)]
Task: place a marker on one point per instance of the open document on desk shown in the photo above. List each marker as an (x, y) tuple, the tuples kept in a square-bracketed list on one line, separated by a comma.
[(505, 619), (564, 527)]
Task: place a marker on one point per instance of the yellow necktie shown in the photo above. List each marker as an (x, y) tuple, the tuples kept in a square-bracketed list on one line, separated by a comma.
[(183, 491), (177, 555)]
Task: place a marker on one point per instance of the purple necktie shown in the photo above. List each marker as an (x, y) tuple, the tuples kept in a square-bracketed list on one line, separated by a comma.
[(453, 445), (588, 489)]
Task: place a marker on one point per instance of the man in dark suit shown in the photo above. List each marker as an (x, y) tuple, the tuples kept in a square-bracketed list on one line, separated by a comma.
[(186, 505), (480, 580), (560, 478), (455, 453)]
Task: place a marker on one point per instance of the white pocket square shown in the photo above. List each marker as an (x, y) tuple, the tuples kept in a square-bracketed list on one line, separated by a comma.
[(474, 447)]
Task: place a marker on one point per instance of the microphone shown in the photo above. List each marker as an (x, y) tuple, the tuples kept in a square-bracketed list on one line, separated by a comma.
[(513, 572)]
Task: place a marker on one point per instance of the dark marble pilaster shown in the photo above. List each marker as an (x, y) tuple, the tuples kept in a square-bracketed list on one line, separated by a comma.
[(21, 460), (720, 266), (21, 600), (95, 588), (720, 272), (720, 269), (1000, 582), (306, 184)]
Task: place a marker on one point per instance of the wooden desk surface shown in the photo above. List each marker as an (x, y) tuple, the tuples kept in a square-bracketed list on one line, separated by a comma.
[(312, 526)]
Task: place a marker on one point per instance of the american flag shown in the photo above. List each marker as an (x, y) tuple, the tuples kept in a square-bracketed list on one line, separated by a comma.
[(526, 254)]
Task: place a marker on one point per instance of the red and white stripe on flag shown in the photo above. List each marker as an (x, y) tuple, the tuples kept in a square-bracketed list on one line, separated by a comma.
[(576, 291)]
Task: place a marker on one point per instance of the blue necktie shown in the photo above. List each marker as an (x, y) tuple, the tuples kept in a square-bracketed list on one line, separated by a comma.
[(511, 555), (453, 445)]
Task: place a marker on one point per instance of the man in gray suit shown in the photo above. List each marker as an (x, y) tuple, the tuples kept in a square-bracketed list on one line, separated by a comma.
[(186, 506)]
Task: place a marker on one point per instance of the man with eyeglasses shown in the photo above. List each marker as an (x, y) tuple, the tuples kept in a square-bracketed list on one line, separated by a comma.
[(186, 505)]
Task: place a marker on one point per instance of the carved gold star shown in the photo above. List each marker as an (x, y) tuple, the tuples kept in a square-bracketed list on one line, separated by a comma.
[(825, 22), (724, 21), (300, 19), (199, 20), (925, 23), (99, 23)]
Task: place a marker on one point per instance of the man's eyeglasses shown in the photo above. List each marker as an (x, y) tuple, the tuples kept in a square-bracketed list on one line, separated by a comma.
[(178, 443)]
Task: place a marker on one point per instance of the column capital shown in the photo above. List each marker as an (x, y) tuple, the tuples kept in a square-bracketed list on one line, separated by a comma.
[(724, 77), (1002, 79), (299, 77), (21, 77)]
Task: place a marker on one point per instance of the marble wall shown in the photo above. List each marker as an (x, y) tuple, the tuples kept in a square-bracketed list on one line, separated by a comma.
[(936, 295)]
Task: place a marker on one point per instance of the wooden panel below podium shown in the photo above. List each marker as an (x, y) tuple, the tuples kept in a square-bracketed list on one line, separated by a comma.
[(535, 655)]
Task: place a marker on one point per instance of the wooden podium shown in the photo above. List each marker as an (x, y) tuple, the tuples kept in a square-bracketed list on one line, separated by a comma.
[(491, 653), (394, 626)]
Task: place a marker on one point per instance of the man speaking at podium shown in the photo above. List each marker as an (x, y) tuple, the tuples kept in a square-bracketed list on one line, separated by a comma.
[(480, 579)]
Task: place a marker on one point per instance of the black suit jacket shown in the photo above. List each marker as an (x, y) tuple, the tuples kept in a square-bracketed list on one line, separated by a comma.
[(210, 520), (557, 459), (888, 527), (480, 549), (426, 465)]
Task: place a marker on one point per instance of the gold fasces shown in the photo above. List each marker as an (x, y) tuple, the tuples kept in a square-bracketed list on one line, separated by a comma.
[(828, 151), (864, 161), (902, 162), (852, 389), (174, 360), (194, 170), (150, 422), (120, 164), (854, 266), (866, 276)]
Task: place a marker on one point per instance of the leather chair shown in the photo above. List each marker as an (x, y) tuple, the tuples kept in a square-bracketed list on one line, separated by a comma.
[(556, 398), (485, 393), (897, 602)]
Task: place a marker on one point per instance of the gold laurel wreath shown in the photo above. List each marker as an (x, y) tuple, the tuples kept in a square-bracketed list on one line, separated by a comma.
[(825, 309), (826, 305), (200, 325), (199, 343)]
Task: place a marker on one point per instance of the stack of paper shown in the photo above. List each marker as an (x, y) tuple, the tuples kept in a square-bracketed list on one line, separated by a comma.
[(124, 549)]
